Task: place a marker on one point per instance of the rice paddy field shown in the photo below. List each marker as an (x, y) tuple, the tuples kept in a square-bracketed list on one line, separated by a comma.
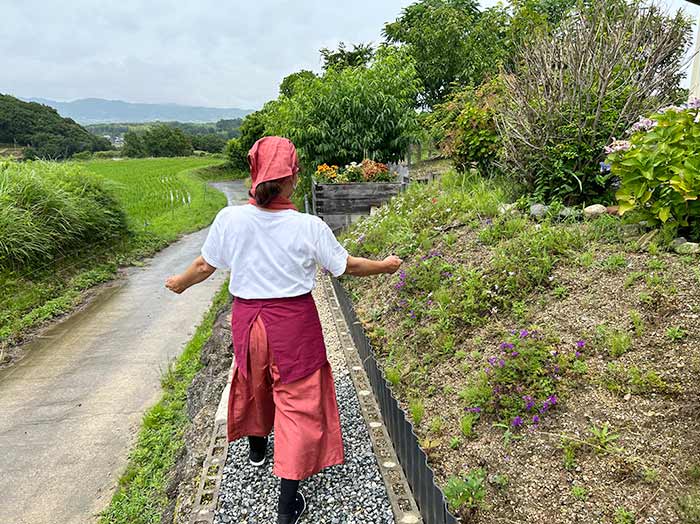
[(66, 227)]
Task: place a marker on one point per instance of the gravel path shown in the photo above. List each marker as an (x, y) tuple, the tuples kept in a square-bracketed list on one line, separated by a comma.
[(353, 493)]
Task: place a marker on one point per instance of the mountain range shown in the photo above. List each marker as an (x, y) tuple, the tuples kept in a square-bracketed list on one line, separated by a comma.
[(98, 110)]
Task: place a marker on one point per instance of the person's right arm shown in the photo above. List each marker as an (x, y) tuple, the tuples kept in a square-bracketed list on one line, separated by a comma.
[(363, 267)]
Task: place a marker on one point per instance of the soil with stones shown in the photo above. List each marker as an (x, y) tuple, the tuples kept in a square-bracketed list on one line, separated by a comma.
[(648, 393)]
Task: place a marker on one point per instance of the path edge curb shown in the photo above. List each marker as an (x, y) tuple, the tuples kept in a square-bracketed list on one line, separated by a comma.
[(403, 503), (207, 497)]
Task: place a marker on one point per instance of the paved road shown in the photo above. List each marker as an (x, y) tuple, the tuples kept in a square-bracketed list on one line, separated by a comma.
[(70, 410)]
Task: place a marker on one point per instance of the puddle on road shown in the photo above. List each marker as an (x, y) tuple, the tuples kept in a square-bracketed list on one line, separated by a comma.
[(26, 352)]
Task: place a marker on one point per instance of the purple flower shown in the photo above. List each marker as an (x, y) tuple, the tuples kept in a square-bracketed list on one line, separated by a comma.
[(618, 145), (473, 410), (524, 333), (580, 344), (517, 422), (492, 361), (536, 419), (644, 124), (529, 402), (412, 314), (501, 363), (552, 400), (514, 354), (577, 354), (506, 345), (605, 167)]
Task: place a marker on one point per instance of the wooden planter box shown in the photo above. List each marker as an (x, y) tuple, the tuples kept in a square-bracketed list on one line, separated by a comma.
[(339, 205)]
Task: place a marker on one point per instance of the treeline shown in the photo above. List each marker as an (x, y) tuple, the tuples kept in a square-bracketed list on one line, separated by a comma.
[(157, 141), (43, 132), (209, 137)]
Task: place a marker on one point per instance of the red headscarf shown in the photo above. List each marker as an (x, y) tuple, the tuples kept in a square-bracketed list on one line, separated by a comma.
[(272, 158)]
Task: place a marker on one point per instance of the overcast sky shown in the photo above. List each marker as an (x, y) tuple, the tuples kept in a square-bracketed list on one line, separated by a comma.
[(214, 53)]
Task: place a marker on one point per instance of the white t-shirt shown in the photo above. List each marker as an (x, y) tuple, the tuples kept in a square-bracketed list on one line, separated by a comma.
[(272, 254)]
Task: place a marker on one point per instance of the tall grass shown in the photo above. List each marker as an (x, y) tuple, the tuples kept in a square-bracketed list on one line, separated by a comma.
[(48, 209), (62, 225)]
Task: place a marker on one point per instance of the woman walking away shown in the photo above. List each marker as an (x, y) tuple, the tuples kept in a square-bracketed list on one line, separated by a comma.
[(281, 377)]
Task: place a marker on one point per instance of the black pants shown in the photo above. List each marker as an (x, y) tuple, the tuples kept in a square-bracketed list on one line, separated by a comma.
[(288, 488)]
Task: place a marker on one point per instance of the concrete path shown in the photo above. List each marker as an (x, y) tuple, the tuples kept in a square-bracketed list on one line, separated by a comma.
[(70, 410)]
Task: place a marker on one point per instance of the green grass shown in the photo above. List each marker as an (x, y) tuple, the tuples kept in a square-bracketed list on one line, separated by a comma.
[(161, 196), (141, 496), (41, 290)]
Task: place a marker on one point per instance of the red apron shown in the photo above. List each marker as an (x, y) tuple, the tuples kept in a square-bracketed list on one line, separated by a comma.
[(295, 397), (293, 331)]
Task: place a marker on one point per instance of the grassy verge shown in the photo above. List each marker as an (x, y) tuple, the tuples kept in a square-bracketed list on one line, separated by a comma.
[(141, 497), (540, 362), (163, 199)]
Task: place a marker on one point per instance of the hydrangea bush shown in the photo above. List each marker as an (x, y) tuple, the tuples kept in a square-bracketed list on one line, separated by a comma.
[(659, 167)]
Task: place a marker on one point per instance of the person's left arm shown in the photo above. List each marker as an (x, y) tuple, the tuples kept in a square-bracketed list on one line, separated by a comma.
[(197, 272)]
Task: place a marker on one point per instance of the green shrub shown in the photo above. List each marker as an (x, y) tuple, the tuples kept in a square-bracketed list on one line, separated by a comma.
[(82, 155), (622, 59), (659, 168), (351, 113), (465, 128), (107, 154)]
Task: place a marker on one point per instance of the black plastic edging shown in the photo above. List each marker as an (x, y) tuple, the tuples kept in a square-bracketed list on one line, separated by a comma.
[(430, 499)]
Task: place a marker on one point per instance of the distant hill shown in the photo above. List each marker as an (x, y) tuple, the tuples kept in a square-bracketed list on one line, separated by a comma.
[(42, 131), (97, 110)]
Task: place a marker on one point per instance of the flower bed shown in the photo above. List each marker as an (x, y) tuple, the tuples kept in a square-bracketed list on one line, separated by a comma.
[(342, 195), (366, 171)]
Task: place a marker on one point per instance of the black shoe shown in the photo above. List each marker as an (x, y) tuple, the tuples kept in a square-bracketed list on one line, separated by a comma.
[(258, 451), (295, 516)]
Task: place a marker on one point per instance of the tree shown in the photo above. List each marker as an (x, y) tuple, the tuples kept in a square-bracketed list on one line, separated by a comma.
[(437, 34), (351, 113), (158, 141), (287, 85), (252, 129), (210, 142), (359, 56), (134, 146)]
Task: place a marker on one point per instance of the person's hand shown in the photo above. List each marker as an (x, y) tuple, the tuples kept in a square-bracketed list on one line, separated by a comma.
[(173, 284), (392, 264)]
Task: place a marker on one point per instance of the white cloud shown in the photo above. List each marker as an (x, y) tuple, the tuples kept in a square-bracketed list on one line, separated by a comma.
[(212, 53), (208, 52)]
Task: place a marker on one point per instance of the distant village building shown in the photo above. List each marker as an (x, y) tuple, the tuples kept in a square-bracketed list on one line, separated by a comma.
[(117, 141)]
